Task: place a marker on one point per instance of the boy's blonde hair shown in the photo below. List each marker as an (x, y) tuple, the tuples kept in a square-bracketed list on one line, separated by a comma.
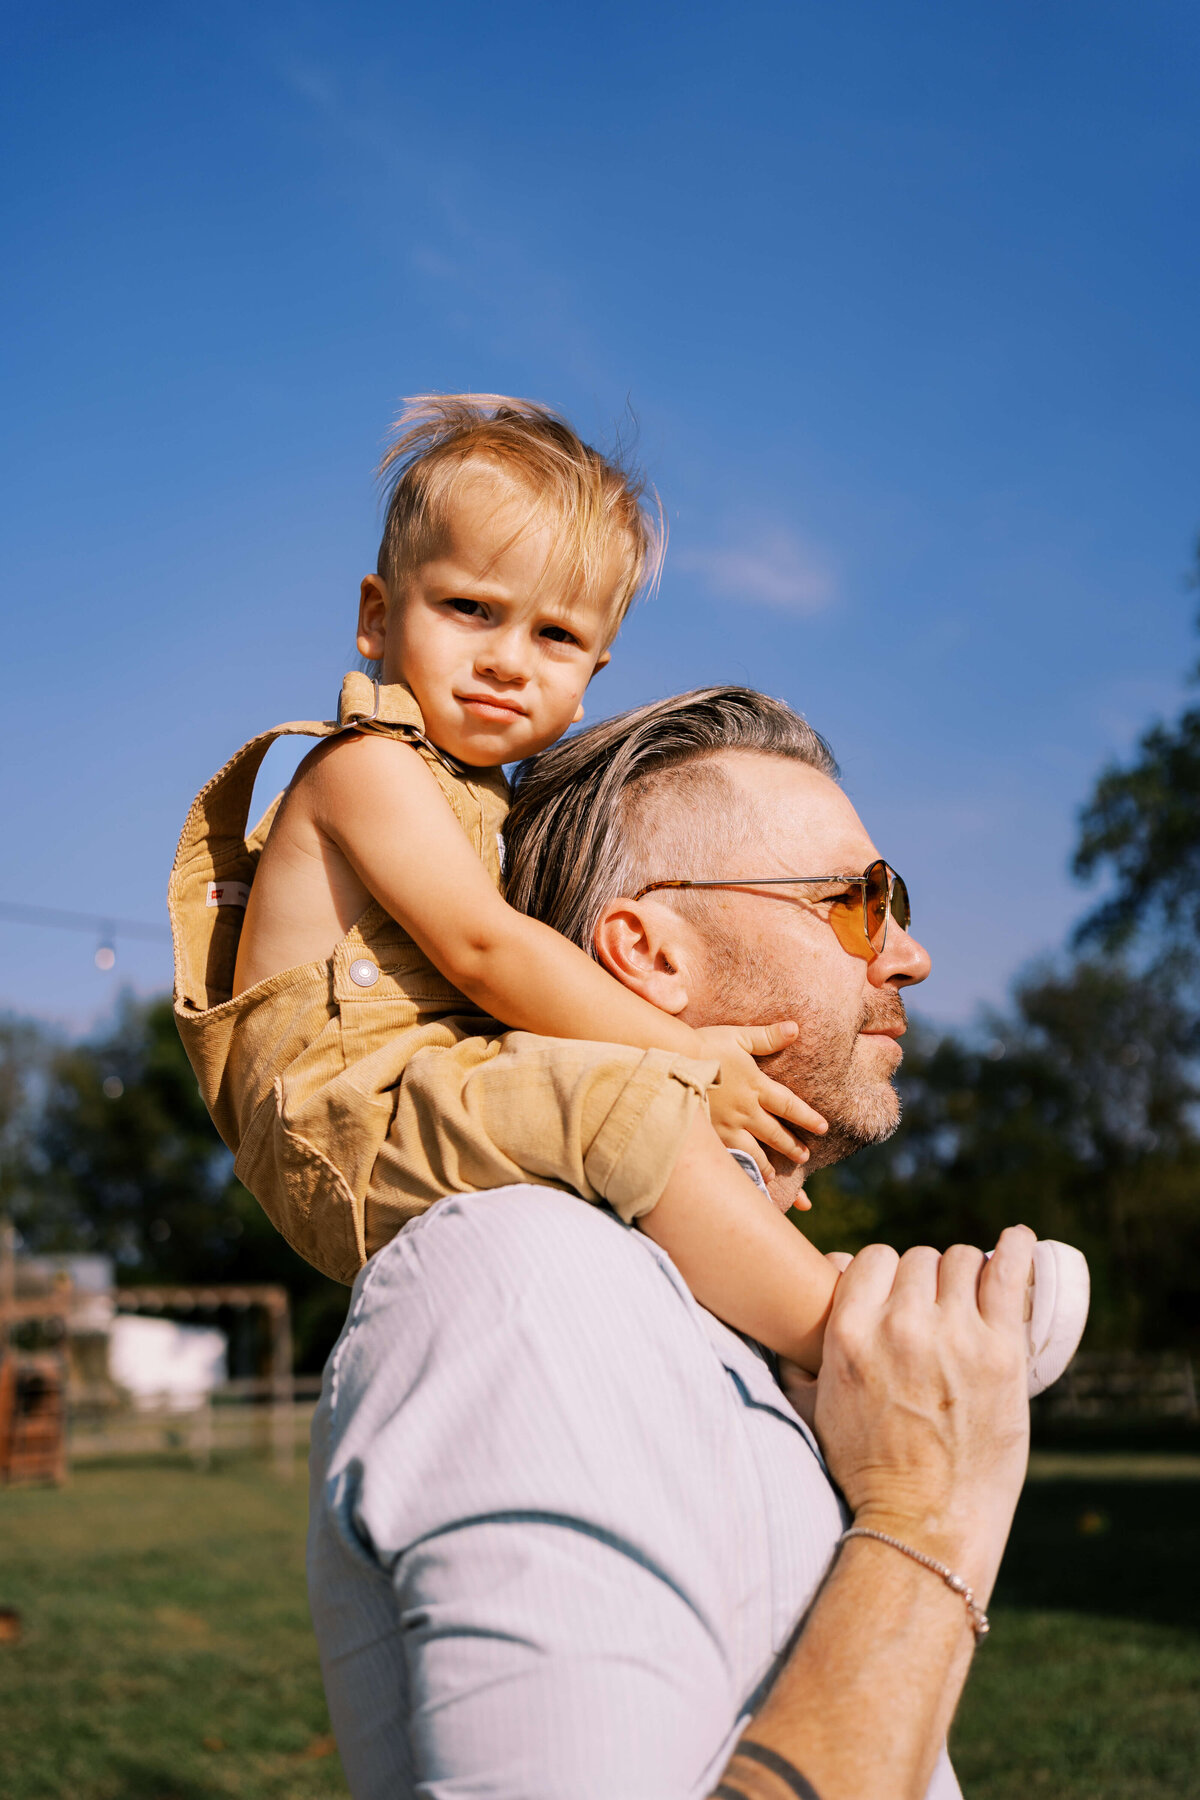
[(596, 501)]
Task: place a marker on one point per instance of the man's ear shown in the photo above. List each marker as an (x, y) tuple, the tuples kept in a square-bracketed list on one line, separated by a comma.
[(374, 601), (644, 944)]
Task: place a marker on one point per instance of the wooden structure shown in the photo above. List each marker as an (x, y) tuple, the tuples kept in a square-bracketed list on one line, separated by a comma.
[(208, 1297), (33, 1387)]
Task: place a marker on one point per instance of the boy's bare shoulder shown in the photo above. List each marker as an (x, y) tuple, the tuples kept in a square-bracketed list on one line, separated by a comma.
[(352, 768)]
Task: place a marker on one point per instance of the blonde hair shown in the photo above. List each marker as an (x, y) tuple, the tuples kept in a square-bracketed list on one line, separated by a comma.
[(598, 502), (601, 813)]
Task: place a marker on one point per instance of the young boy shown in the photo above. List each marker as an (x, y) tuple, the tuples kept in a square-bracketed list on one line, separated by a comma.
[(346, 975)]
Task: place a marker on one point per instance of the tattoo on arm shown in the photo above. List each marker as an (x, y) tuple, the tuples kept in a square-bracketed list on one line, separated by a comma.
[(756, 1773)]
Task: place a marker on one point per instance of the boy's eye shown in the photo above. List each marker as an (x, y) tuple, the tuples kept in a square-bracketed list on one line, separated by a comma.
[(469, 609), (558, 634)]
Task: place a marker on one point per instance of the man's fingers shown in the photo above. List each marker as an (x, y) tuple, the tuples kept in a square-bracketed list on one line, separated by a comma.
[(916, 1282), (866, 1285), (1002, 1283), (958, 1276), (781, 1101), (765, 1040), (800, 1389)]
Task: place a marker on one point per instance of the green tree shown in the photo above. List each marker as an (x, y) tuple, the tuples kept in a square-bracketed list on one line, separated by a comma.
[(1072, 1115), (129, 1163), (24, 1053), (1142, 826)]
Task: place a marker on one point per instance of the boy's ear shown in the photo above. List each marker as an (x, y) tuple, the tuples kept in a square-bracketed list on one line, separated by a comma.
[(373, 604), (602, 662)]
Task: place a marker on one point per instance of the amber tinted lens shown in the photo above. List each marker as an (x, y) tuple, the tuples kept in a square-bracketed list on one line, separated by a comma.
[(901, 910), (846, 918), (876, 900)]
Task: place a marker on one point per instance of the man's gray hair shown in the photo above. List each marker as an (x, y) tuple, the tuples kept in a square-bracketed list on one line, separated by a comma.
[(594, 815)]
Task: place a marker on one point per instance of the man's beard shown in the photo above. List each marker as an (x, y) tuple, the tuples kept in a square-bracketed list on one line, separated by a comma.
[(827, 1064)]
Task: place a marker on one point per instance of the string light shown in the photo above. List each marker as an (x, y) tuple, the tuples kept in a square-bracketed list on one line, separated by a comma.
[(108, 930)]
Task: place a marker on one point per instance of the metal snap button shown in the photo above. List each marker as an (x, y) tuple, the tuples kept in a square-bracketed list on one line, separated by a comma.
[(364, 973)]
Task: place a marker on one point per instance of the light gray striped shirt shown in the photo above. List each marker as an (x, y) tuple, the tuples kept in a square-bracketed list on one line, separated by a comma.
[(563, 1521)]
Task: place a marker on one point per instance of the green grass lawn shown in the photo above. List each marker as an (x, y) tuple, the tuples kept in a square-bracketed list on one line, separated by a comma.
[(167, 1653)]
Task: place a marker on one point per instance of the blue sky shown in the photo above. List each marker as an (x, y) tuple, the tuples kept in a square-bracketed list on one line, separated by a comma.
[(904, 298)]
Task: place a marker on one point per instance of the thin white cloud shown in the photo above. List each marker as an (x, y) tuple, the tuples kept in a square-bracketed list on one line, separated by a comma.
[(770, 568)]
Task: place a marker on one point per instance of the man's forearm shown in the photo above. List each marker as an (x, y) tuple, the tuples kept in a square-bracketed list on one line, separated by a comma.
[(863, 1704)]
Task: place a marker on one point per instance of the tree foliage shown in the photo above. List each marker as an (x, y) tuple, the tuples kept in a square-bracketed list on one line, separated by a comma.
[(1072, 1115), (123, 1159), (1142, 826)]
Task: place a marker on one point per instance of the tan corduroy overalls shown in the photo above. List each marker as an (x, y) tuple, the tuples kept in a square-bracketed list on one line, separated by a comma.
[(357, 1091)]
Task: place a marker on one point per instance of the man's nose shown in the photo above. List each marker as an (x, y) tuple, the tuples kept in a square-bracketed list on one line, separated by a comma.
[(903, 962), (505, 656)]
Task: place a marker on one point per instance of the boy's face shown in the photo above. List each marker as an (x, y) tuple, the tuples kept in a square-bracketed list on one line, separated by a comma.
[(495, 649)]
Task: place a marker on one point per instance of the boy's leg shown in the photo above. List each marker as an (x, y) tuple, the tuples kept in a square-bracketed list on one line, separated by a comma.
[(604, 1120)]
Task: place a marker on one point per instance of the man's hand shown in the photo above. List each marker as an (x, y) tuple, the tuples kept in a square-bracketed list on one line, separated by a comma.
[(921, 1403), (746, 1107), (922, 1411)]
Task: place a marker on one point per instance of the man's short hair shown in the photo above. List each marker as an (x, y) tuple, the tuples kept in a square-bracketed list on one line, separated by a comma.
[(594, 816), (597, 503)]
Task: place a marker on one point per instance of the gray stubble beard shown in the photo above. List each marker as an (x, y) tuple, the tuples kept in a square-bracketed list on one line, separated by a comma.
[(819, 1065)]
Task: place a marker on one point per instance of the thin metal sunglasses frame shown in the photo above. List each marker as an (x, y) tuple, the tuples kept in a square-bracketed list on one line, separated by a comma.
[(862, 881)]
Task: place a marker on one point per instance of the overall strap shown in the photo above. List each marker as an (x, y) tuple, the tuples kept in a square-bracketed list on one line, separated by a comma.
[(214, 866), (367, 705)]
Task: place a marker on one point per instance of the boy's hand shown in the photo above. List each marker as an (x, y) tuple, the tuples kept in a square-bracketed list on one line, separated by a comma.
[(746, 1107)]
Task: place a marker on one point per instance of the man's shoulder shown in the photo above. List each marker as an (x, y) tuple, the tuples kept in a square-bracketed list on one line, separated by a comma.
[(518, 1351), (512, 1242), (521, 1297)]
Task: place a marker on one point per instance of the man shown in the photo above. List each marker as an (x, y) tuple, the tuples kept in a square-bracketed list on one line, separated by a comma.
[(565, 1524)]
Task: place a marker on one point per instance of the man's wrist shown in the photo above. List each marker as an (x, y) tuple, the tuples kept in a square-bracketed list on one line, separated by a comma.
[(935, 1534), (959, 1551)]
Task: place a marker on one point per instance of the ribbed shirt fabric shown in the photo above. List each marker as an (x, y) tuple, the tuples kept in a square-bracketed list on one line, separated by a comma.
[(563, 1522)]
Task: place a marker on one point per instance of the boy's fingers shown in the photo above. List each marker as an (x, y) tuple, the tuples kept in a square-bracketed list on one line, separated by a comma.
[(785, 1105), (841, 1260), (765, 1040), (1002, 1283), (776, 1136), (742, 1140)]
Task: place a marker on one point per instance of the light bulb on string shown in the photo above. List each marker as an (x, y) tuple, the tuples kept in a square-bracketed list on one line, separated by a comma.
[(106, 955)]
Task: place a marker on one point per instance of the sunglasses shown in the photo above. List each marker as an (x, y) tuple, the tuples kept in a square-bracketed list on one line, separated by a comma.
[(859, 918)]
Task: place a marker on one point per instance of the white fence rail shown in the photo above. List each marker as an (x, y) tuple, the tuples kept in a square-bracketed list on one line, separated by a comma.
[(268, 1418), (1115, 1386)]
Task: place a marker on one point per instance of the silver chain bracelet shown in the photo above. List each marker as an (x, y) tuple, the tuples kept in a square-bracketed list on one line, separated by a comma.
[(976, 1614)]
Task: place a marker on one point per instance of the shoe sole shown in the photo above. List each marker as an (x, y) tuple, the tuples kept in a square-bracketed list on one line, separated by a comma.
[(1056, 1311)]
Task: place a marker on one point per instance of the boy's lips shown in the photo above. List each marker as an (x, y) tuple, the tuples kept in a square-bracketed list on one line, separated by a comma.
[(490, 706)]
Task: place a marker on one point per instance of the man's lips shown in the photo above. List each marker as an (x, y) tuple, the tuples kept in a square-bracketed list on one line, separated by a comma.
[(490, 706), (889, 1021)]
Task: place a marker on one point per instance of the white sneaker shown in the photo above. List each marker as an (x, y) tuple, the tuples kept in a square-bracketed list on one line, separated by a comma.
[(1056, 1310)]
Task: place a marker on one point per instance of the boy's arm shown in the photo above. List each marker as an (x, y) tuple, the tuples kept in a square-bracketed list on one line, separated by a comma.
[(384, 811), (378, 803)]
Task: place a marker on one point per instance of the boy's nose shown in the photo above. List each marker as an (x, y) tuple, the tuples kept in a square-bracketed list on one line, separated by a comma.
[(504, 657)]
